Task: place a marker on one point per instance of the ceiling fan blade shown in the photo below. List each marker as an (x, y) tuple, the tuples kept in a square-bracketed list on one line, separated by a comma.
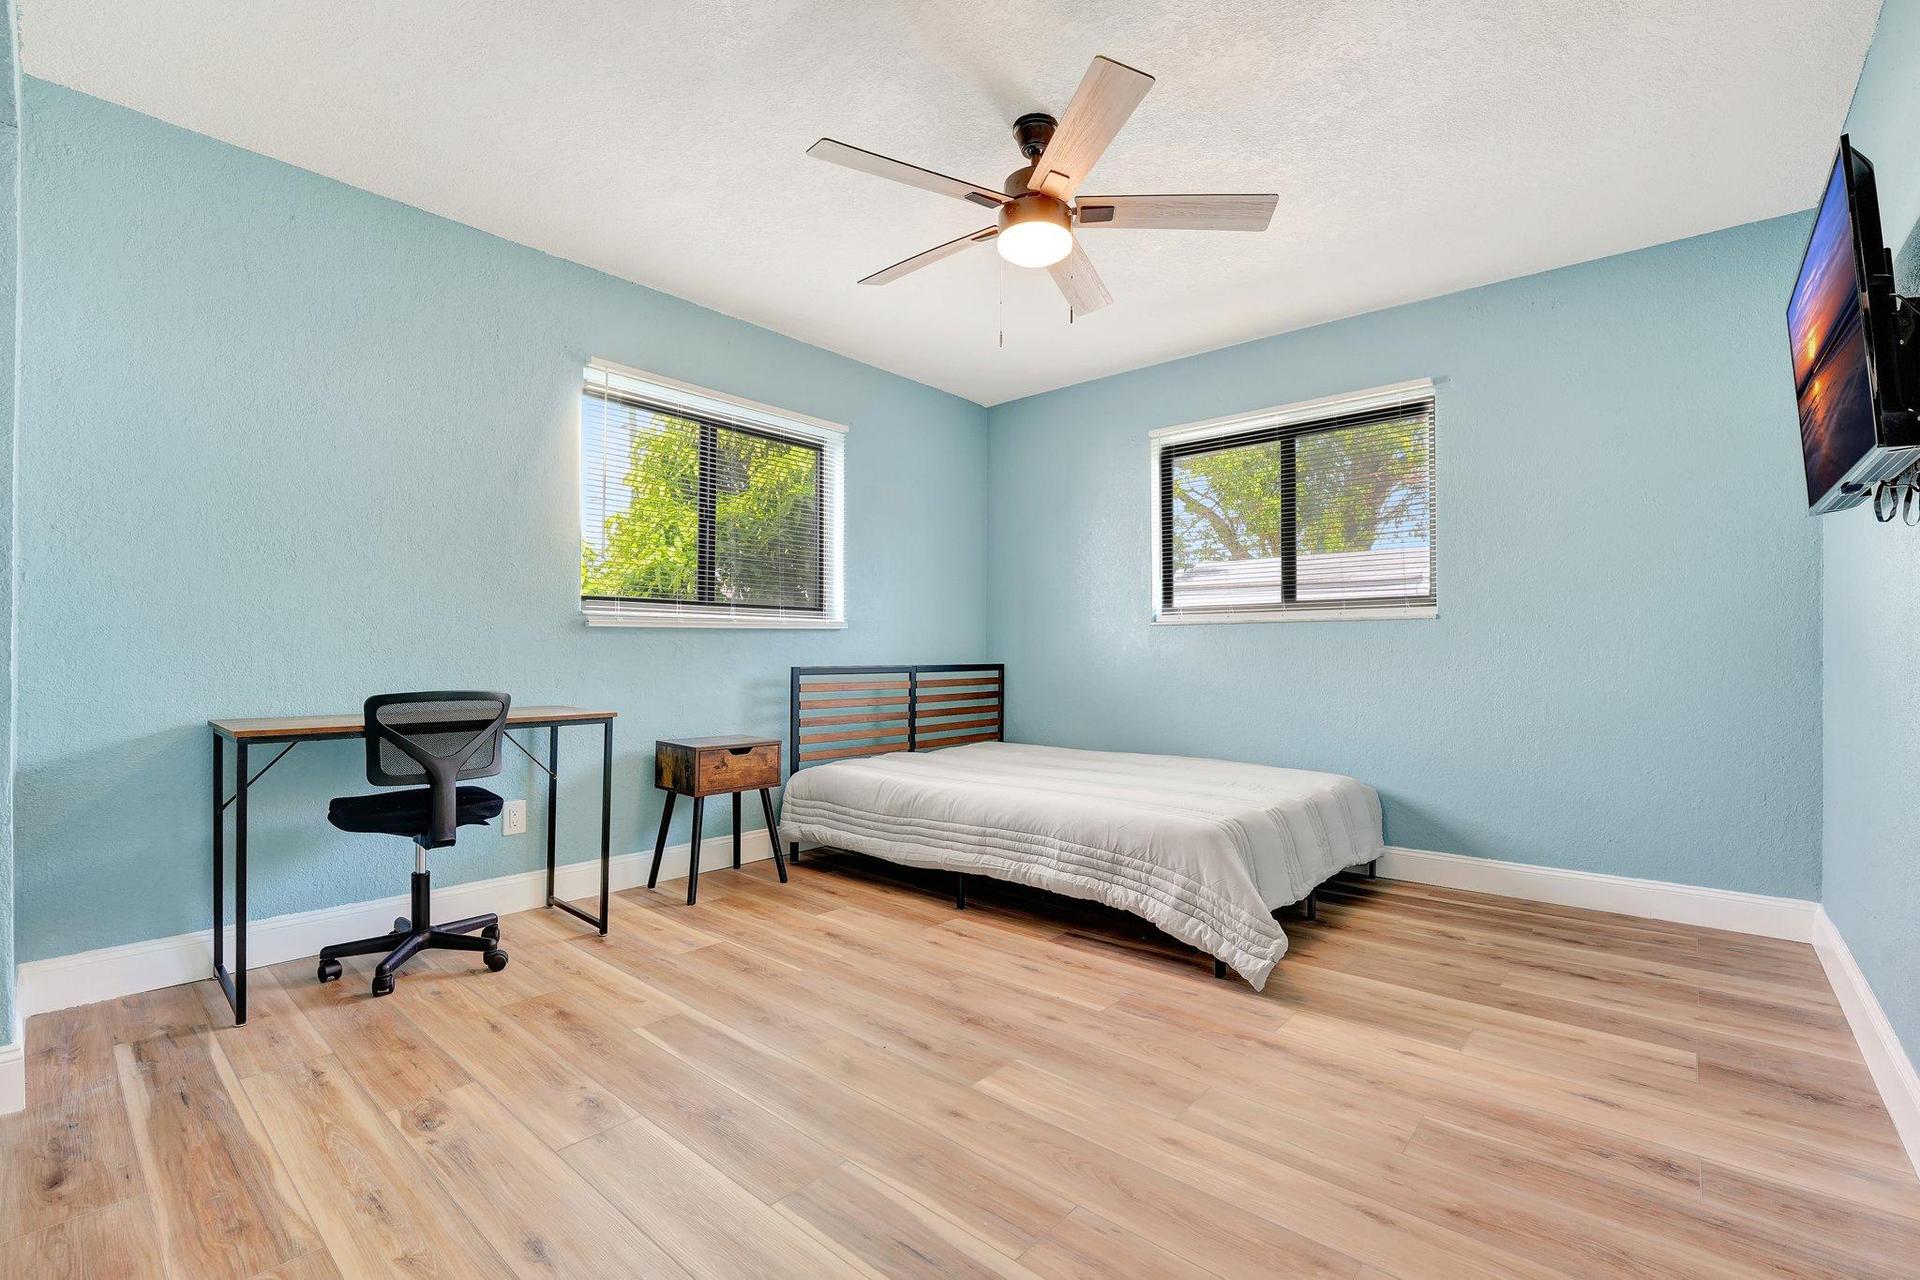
[(1178, 213), (931, 256), (1080, 282), (1107, 95), (900, 171)]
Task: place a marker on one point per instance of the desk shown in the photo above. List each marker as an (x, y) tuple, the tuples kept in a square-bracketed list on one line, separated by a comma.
[(294, 730)]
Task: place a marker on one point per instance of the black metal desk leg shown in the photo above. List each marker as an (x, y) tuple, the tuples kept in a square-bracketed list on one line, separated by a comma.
[(219, 856), (693, 852), (660, 841), (606, 825), (240, 884), (736, 831), (773, 834), (553, 802)]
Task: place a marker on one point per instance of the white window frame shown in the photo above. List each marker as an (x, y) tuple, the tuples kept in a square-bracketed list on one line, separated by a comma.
[(705, 403), (1162, 438)]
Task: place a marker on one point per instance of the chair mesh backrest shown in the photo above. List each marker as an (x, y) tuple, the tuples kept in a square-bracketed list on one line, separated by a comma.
[(441, 725)]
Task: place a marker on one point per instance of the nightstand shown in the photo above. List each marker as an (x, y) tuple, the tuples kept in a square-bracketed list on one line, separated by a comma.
[(702, 767)]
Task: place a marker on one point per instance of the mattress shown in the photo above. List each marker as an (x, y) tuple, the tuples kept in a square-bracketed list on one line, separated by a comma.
[(1203, 849)]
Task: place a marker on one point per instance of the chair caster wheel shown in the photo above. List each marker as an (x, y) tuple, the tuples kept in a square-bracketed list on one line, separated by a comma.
[(382, 984), (496, 959), (402, 925), (491, 933), (329, 970)]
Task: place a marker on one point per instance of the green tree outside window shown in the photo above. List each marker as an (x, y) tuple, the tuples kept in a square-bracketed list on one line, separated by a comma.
[(758, 497), (1357, 487)]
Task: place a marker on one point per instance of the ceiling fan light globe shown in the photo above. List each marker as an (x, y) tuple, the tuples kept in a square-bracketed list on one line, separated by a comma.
[(1035, 230), (1035, 244)]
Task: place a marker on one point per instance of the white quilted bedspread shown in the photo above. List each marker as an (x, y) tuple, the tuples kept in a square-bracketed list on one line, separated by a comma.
[(1204, 849)]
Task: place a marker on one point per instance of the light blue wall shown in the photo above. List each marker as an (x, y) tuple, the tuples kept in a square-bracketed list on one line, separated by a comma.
[(1871, 607), (9, 398), (1624, 676), (251, 392), (289, 444)]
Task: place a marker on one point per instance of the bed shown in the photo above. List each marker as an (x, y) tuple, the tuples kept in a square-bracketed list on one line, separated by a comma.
[(909, 764)]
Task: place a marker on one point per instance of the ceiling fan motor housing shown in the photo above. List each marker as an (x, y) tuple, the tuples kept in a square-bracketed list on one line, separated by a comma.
[(1033, 206), (1033, 131)]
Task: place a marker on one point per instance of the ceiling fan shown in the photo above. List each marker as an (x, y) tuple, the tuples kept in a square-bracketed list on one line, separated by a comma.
[(1037, 204)]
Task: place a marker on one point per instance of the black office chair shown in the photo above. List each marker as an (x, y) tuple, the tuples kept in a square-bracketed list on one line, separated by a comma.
[(436, 738)]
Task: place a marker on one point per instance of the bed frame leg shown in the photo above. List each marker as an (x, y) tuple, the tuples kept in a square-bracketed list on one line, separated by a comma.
[(959, 891), (1312, 904), (793, 851), (1219, 968), (1372, 872)]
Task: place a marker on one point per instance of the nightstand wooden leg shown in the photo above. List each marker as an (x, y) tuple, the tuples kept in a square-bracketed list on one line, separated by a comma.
[(773, 834), (736, 831), (660, 842), (693, 854)]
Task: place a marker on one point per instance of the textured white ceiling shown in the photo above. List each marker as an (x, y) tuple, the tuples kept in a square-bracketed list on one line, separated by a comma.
[(1418, 147)]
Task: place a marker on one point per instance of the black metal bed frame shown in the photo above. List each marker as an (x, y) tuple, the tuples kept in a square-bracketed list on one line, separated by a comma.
[(893, 722), (797, 675)]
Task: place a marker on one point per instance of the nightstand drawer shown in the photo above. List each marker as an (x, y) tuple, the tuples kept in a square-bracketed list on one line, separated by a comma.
[(737, 768)]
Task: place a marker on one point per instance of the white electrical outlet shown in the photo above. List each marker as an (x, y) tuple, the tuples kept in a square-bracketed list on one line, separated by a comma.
[(513, 822)]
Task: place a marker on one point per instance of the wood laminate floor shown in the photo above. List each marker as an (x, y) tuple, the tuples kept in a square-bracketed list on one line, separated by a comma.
[(845, 1076)]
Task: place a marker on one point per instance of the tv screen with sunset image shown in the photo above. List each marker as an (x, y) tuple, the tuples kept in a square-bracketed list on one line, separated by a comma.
[(1828, 330)]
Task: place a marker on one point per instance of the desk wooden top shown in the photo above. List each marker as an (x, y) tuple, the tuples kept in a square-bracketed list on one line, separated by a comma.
[(353, 724)]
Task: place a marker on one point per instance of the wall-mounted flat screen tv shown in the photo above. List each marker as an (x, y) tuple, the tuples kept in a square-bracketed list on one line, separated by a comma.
[(1854, 427)]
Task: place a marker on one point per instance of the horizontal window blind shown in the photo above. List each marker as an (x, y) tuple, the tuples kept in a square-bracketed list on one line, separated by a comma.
[(1291, 513), (697, 509)]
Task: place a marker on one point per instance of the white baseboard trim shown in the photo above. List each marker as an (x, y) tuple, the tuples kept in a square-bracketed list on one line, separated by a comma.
[(13, 1065), (1887, 1059), (111, 972), (1790, 918)]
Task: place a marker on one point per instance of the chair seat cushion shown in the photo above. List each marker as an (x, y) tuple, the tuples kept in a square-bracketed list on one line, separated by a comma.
[(409, 812)]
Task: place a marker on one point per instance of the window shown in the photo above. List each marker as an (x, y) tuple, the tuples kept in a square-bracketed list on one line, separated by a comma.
[(697, 509), (1317, 510)]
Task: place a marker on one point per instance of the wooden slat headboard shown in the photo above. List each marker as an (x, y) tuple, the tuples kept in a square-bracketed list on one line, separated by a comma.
[(835, 713)]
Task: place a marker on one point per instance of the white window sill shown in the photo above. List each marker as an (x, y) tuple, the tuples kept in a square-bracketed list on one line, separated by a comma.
[(716, 623), (1298, 615)]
